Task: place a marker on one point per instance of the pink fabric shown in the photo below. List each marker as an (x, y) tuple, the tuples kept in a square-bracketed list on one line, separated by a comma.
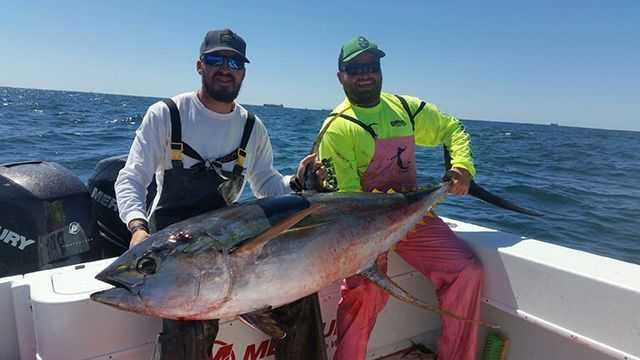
[(393, 166), (433, 249)]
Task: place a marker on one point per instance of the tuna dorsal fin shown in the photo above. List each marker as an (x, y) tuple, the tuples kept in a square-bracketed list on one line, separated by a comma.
[(263, 320), (258, 242), (381, 279)]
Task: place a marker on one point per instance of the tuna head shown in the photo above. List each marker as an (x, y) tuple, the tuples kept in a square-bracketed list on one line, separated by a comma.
[(176, 273)]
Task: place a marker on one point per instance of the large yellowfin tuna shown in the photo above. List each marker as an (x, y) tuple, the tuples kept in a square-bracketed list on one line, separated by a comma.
[(251, 257)]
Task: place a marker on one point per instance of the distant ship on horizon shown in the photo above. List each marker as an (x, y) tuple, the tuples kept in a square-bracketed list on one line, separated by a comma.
[(273, 105)]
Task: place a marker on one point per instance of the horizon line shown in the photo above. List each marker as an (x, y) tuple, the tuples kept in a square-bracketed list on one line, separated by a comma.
[(313, 109)]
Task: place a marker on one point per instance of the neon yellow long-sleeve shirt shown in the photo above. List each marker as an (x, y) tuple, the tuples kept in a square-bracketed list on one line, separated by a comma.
[(348, 148)]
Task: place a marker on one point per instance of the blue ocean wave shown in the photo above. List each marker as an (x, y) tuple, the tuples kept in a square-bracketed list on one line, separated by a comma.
[(585, 181)]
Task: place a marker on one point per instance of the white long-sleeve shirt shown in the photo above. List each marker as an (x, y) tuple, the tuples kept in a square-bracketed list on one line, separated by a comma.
[(211, 134)]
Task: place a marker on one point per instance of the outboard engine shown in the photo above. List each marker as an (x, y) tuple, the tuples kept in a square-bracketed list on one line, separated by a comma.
[(103, 195), (46, 219)]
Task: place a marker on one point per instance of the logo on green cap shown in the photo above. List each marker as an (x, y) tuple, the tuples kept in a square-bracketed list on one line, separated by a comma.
[(363, 43)]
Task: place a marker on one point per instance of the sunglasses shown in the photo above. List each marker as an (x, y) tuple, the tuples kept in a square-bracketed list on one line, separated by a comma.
[(233, 62), (360, 69)]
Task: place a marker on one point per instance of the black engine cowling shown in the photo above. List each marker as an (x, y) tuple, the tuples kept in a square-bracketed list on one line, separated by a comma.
[(101, 187), (46, 218)]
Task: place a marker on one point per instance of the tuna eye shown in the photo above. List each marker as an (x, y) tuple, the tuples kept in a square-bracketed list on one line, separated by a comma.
[(146, 265)]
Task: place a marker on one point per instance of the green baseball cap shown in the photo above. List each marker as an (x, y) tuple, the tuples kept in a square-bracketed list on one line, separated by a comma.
[(357, 46)]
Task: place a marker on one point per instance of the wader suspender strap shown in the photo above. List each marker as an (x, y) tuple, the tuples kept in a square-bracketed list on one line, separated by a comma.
[(446, 155), (242, 153), (176, 134), (238, 154), (412, 116), (190, 152), (316, 142), (368, 128), (178, 147)]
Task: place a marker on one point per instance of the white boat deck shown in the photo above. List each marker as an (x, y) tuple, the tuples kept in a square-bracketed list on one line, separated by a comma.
[(550, 301)]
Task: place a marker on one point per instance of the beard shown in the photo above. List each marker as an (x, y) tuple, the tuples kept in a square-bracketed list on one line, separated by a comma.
[(219, 92), (364, 97)]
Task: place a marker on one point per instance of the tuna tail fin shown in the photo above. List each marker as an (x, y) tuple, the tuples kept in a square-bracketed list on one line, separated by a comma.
[(479, 192), (382, 280), (482, 194)]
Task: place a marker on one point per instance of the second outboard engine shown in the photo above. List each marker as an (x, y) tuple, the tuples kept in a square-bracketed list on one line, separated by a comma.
[(46, 218), (101, 187)]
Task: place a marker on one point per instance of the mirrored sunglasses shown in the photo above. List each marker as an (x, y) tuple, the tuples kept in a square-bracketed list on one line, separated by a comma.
[(233, 62)]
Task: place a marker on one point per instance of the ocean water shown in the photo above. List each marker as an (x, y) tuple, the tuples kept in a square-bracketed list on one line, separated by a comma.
[(585, 181)]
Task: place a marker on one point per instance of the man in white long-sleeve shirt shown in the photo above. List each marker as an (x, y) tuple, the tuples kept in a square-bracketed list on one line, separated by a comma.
[(212, 134), (202, 147)]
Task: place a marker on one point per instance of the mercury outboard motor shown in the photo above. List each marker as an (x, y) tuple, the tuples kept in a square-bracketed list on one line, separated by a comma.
[(103, 195), (46, 219)]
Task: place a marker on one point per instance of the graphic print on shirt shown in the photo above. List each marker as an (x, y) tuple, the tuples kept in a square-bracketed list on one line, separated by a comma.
[(399, 162)]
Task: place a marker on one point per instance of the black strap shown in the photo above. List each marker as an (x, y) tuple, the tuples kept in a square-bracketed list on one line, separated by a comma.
[(370, 130), (176, 132), (248, 128), (366, 127), (420, 107), (176, 136), (412, 116), (323, 129), (242, 153), (176, 140), (191, 152)]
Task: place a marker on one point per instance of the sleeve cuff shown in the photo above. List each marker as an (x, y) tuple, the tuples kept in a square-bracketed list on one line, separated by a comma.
[(287, 182), (467, 166), (135, 214)]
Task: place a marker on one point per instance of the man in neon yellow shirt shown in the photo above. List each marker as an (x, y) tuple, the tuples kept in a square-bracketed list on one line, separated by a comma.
[(368, 143)]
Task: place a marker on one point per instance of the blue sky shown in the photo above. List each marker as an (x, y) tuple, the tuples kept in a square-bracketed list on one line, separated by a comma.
[(571, 62)]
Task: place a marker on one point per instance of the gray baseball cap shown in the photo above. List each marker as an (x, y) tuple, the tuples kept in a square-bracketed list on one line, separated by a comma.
[(221, 40)]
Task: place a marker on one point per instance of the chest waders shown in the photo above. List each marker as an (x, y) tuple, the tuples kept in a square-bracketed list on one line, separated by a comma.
[(201, 188), (187, 192), (393, 164)]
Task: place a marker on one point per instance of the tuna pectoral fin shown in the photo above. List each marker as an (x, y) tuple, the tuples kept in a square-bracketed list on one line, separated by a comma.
[(263, 320), (259, 241), (382, 280)]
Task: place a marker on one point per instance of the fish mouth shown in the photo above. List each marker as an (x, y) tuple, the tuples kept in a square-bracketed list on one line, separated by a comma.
[(117, 284), (121, 296), (105, 277)]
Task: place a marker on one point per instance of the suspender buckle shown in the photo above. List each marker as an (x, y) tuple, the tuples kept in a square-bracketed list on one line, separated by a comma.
[(176, 151), (242, 155)]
